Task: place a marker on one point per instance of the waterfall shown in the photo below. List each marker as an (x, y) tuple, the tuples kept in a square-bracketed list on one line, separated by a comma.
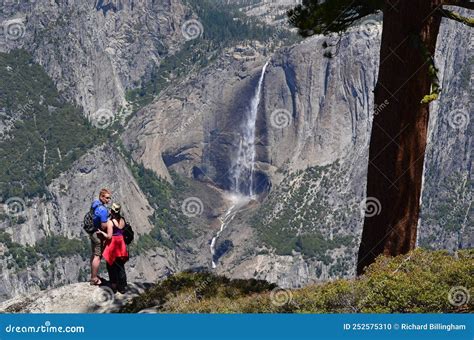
[(244, 163), (227, 218), (243, 167)]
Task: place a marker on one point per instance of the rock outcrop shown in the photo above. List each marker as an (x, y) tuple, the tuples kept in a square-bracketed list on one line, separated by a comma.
[(73, 298)]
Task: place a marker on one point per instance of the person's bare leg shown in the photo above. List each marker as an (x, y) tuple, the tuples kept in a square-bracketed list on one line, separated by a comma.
[(95, 264)]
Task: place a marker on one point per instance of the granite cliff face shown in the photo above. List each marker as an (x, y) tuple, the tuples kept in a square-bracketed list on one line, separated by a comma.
[(314, 110), (96, 50), (312, 133), (446, 215), (60, 214)]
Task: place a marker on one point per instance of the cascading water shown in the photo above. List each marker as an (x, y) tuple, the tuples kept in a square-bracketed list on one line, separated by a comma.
[(243, 166), (243, 174)]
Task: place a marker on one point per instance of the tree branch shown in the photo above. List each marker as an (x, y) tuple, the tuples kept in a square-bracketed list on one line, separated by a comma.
[(457, 17), (460, 3), (432, 72)]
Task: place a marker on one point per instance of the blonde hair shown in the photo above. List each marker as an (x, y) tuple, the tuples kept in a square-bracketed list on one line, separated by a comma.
[(104, 191)]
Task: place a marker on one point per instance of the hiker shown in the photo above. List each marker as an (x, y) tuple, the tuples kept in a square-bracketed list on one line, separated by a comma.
[(100, 219), (115, 251)]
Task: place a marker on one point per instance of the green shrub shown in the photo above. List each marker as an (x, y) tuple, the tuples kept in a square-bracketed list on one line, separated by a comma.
[(190, 287), (17, 255), (419, 282)]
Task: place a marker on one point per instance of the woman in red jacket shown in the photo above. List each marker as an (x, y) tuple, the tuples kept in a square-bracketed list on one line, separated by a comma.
[(115, 251)]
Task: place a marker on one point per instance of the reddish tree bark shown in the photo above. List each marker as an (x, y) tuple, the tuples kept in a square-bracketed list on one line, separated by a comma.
[(399, 131)]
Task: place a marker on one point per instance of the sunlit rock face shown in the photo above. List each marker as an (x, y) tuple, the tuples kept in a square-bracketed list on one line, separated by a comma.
[(95, 53), (446, 214)]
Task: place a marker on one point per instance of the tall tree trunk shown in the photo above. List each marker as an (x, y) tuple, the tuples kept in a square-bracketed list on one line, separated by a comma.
[(399, 131)]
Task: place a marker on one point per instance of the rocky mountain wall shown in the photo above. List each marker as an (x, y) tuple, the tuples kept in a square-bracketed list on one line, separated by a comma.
[(446, 214), (95, 50)]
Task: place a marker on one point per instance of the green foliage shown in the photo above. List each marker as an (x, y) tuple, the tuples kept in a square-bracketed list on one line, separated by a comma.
[(225, 25), (51, 247), (432, 72), (458, 17), (17, 255), (416, 283), (169, 223), (45, 137), (49, 135), (451, 210), (195, 287), (331, 16), (55, 246), (419, 282), (291, 218), (315, 245)]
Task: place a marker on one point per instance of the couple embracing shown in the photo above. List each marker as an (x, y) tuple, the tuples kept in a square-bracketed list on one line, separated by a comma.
[(110, 234)]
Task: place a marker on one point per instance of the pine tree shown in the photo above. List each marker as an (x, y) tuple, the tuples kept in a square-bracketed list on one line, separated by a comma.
[(408, 82)]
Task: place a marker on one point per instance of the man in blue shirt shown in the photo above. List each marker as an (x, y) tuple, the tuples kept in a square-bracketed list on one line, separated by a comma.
[(101, 216)]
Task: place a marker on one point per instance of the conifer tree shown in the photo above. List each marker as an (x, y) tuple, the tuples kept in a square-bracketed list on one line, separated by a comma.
[(407, 83)]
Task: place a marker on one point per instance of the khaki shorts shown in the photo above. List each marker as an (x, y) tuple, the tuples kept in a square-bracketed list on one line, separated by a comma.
[(96, 244)]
